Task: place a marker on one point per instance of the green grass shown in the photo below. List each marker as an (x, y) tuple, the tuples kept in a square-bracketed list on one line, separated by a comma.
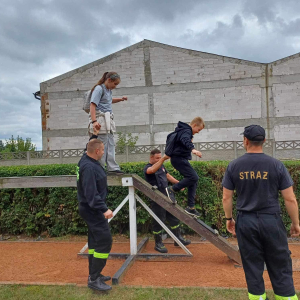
[(32, 292)]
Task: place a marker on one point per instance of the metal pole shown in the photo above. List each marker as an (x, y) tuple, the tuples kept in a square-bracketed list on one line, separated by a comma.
[(114, 214), (132, 221), (163, 225)]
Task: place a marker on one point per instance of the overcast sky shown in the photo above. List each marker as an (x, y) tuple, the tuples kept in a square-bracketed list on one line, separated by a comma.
[(40, 39)]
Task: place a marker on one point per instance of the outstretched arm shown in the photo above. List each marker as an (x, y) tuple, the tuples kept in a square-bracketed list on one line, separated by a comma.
[(116, 100), (172, 179), (157, 165)]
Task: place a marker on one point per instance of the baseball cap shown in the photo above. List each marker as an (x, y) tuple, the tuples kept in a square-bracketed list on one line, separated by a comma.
[(254, 133)]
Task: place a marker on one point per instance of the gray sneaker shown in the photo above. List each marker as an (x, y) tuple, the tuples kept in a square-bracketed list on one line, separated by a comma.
[(192, 211)]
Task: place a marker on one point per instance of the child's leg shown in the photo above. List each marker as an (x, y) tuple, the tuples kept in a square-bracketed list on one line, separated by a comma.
[(104, 139), (191, 194), (111, 152), (190, 179)]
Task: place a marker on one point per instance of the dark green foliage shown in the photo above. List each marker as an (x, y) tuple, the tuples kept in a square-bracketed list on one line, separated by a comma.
[(17, 145), (54, 210)]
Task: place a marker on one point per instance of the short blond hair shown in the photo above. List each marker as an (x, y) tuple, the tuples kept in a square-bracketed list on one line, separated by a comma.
[(198, 121), (93, 145)]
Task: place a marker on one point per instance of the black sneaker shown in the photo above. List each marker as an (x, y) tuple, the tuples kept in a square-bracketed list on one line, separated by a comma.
[(98, 285), (103, 278), (192, 212), (171, 194), (115, 172)]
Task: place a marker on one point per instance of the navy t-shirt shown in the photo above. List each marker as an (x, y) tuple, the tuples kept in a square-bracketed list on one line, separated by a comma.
[(257, 179), (159, 178)]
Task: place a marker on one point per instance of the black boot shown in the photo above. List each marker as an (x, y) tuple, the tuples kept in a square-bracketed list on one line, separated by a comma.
[(90, 262), (159, 245), (102, 277), (98, 284), (177, 233)]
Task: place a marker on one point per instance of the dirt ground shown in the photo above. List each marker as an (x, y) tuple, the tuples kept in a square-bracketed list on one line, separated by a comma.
[(57, 262)]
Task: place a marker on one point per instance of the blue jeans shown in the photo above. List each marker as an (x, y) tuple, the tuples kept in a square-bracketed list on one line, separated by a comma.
[(108, 157)]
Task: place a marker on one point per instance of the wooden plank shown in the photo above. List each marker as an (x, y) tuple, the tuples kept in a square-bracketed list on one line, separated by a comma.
[(50, 181), (194, 223)]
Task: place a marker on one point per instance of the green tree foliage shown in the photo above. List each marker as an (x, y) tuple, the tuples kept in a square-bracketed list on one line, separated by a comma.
[(125, 139), (2, 147), (17, 145)]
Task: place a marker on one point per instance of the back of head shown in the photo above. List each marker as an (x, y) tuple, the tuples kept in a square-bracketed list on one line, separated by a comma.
[(198, 121), (255, 134), (93, 145)]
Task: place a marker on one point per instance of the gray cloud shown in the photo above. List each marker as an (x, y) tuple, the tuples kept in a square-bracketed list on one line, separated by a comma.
[(40, 39)]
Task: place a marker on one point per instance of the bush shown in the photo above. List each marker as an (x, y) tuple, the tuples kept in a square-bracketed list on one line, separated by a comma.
[(55, 210)]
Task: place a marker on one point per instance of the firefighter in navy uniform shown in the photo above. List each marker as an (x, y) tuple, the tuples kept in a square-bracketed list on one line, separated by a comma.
[(257, 179), (92, 193), (156, 174)]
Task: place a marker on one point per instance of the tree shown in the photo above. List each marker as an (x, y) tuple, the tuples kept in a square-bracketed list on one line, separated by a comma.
[(125, 139), (2, 147), (18, 145)]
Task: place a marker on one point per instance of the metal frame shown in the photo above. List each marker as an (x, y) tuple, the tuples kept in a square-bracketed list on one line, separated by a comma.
[(134, 182), (135, 250)]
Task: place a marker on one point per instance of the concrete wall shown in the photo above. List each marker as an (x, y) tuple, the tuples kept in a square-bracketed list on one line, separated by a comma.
[(165, 84)]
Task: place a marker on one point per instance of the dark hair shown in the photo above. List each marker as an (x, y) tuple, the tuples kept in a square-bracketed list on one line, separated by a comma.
[(155, 151), (107, 75), (256, 143)]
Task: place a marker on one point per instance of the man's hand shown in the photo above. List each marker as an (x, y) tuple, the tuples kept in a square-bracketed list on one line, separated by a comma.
[(295, 230), (196, 152), (124, 98), (166, 157), (230, 225), (108, 214)]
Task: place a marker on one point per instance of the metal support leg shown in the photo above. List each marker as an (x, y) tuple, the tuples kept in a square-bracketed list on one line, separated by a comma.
[(114, 214), (163, 225)]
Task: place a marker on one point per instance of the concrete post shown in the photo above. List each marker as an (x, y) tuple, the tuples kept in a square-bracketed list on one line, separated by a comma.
[(60, 156), (28, 158), (273, 145), (127, 153), (161, 148), (235, 150)]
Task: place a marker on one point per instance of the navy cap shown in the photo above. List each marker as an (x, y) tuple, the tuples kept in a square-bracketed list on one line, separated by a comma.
[(254, 133)]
